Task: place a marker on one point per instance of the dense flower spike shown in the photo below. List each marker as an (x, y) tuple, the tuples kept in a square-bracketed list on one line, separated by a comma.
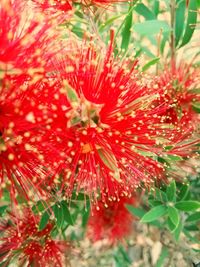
[(54, 5), (66, 6), (25, 148), (111, 220), (108, 127), (22, 241), (25, 37), (179, 86)]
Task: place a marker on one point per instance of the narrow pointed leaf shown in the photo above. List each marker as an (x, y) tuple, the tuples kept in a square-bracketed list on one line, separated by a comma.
[(135, 211), (126, 33), (178, 230), (189, 205), (171, 191), (179, 20), (191, 22), (150, 63), (144, 11), (154, 213), (173, 215), (44, 220), (58, 212), (66, 212), (193, 217)]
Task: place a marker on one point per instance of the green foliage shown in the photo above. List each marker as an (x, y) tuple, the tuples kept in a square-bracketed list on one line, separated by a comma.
[(126, 33), (179, 20), (150, 63), (154, 213), (191, 22), (151, 27), (170, 207), (44, 220)]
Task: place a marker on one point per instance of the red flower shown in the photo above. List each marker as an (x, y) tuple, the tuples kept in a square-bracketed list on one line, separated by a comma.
[(25, 37), (179, 87), (107, 125), (21, 237), (54, 5), (26, 153), (111, 220), (100, 2)]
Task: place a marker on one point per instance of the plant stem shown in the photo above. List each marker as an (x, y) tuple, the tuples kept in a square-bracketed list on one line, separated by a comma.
[(172, 39)]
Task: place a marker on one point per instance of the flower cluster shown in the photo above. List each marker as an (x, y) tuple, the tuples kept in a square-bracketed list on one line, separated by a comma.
[(76, 117), (29, 246), (23, 120), (110, 126), (106, 221), (179, 87)]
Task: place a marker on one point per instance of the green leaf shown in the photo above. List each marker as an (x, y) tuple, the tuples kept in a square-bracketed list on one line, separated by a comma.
[(135, 211), (126, 33), (150, 63), (86, 214), (40, 206), (66, 212), (171, 191), (194, 91), (109, 22), (124, 254), (144, 11), (196, 107), (44, 220), (179, 19), (189, 205), (184, 191), (164, 41), (79, 14), (192, 227), (178, 230), (164, 254), (154, 213), (170, 225), (154, 203), (151, 27), (4, 264), (160, 195), (58, 212), (78, 31), (173, 215), (174, 157), (2, 209), (156, 6), (193, 217), (79, 196), (191, 22)]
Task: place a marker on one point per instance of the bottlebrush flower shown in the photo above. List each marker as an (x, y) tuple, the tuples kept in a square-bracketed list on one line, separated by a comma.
[(108, 128), (25, 37), (100, 2), (179, 87), (111, 220), (21, 241), (66, 6), (54, 5), (25, 149)]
